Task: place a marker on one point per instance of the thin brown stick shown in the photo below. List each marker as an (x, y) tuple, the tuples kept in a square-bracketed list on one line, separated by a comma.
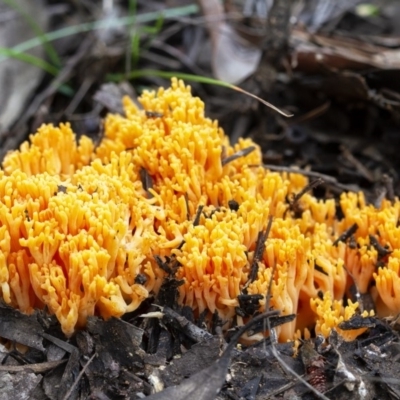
[(266, 103), (37, 368), (240, 153), (312, 114), (312, 174), (286, 368), (360, 167), (78, 378), (275, 352)]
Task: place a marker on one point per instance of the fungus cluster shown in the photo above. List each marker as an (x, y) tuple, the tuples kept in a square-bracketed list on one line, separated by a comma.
[(83, 228)]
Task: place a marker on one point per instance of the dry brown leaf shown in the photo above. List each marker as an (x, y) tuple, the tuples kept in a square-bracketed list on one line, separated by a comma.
[(233, 58)]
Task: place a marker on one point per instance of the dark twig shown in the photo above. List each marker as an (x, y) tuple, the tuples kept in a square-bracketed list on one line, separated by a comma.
[(274, 340), (381, 250), (260, 247), (294, 205), (366, 173), (314, 364), (153, 114), (388, 182), (307, 188), (275, 321), (198, 215), (192, 331), (147, 182), (282, 389), (163, 265), (286, 367), (37, 368), (240, 153), (346, 234), (214, 375), (312, 174), (312, 114), (78, 378), (60, 343), (187, 206)]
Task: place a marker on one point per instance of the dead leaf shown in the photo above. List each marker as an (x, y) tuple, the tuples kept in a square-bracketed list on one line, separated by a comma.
[(233, 58)]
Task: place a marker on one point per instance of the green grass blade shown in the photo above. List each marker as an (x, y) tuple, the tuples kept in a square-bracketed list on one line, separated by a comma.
[(40, 35), (135, 51), (132, 10), (156, 28), (132, 52), (168, 75), (194, 78), (116, 22), (30, 59)]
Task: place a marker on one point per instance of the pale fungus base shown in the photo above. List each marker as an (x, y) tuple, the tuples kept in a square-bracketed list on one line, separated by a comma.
[(77, 228)]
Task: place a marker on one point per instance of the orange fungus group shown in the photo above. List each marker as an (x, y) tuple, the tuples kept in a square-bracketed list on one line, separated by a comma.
[(81, 233)]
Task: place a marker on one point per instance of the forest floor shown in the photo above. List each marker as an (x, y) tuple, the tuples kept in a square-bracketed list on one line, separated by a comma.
[(334, 65)]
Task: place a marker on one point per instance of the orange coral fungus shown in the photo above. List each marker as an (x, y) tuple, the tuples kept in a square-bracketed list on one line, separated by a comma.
[(78, 229), (331, 313)]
